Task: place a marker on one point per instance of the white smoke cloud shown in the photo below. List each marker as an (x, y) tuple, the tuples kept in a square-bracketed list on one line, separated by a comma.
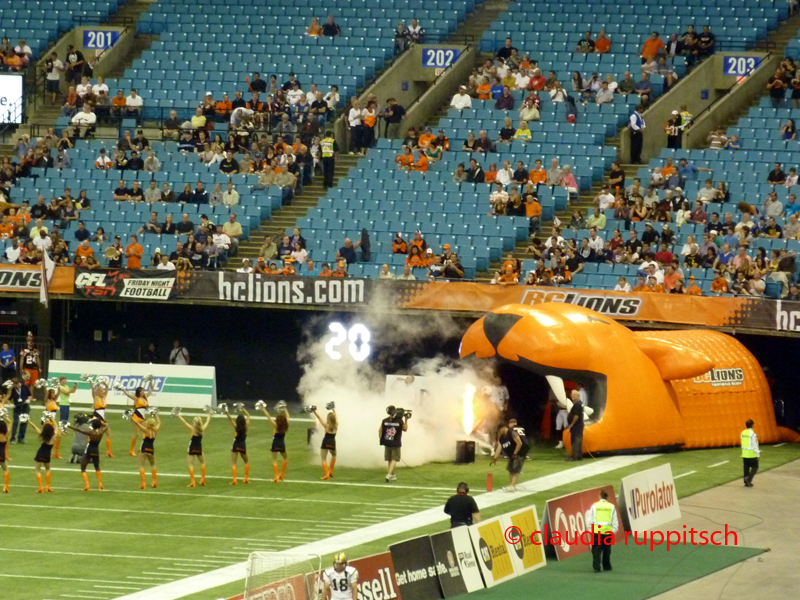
[(359, 391)]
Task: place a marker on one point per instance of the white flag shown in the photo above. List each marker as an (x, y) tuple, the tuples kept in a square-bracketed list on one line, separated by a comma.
[(48, 267)]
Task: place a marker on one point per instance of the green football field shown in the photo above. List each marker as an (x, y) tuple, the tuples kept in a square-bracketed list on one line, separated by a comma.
[(101, 545)]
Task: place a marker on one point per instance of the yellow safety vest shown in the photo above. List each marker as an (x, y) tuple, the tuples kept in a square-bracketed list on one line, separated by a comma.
[(747, 444), (603, 511), (327, 147)]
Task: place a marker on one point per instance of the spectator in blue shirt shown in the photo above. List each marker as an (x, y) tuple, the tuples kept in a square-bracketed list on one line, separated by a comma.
[(644, 87), (8, 363), (348, 251), (82, 233), (791, 207), (730, 238)]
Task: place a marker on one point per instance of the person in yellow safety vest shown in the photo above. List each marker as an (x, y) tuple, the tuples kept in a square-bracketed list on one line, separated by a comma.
[(750, 453), (602, 520), (328, 148)]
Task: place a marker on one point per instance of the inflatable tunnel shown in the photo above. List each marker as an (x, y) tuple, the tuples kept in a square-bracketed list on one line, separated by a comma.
[(647, 390)]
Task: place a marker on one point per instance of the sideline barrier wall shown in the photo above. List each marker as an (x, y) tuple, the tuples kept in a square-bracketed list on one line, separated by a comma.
[(566, 516), (648, 499), (173, 385)]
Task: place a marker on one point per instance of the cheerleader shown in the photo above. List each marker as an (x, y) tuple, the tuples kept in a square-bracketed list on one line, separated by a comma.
[(51, 405), (4, 423), (331, 425), (92, 453), (149, 428), (49, 434), (141, 400), (100, 397), (241, 426), (280, 425), (197, 428)]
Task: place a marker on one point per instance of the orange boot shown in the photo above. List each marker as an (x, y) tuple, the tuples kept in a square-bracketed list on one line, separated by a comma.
[(144, 482), (327, 474), (235, 480), (99, 480), (47, 487), (5, 482), (133, 447), (246, 474), (7, 458), (39, 480), (202, 474), (191, 478), (153, 474), (85, 477), (333, 463), (283, 469), (57, 445), (108, 449), (277, 473)]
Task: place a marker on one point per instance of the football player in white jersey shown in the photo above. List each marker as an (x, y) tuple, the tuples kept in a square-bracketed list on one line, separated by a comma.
[(341, 580)]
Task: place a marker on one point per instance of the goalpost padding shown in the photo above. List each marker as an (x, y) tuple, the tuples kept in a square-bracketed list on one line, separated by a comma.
[(281, 576)]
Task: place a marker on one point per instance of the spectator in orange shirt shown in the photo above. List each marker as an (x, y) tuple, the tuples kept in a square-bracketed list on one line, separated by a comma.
[(415, 258), (84, 250), (224, 108), (326, 270), (491, 174), (671, 278), (720, 284), (652, 47), (533, 210), (70, 103), (507, 278), (669, 170), (341, 270), (653, 286), (641, 286), (13, 62), (484, 90), (399, 245), (602, 44), (134, 252), (422, 162), (426, 138), (693, 289), (6, 229), (538, 173), (118, 104), (406, 160)]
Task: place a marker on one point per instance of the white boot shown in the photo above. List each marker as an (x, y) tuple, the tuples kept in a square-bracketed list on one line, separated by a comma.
[(560, 445)]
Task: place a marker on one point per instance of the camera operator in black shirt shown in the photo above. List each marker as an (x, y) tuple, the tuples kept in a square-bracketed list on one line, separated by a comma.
[(390, 434), (463, 509)]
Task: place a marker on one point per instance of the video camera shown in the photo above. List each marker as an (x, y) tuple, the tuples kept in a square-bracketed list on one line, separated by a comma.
[(398, 413), (308, 409)]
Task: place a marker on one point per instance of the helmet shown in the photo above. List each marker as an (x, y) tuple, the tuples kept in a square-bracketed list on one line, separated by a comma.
[(340, 558)]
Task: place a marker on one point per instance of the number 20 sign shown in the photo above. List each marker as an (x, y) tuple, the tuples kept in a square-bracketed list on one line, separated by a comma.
[(357, 333), (439, 58)]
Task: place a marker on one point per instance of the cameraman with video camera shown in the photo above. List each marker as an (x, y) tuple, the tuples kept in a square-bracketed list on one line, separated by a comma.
[(390, 434)]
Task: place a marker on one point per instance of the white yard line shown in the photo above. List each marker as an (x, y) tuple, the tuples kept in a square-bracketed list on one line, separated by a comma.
[(385, 486), (779, 445), (134, 533), (718, 464), (684, 474), (150, 578), (118, 587), (62, 580), (203, 495), (166, 514), (237, 572), (200, 562)]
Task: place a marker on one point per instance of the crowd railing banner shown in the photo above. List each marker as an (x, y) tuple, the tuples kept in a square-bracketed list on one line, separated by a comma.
[(453, 296)]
